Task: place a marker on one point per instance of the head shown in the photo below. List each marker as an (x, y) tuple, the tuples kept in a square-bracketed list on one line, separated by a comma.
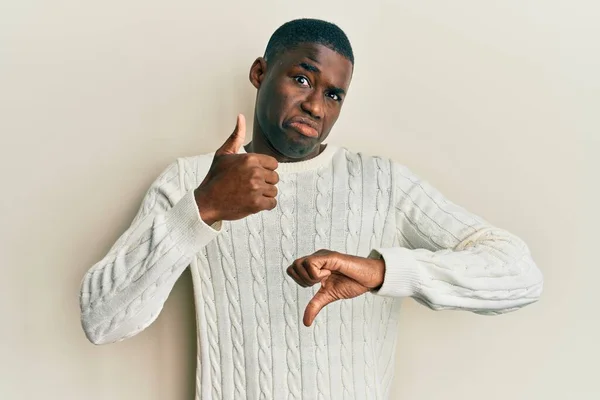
[(302, 82)]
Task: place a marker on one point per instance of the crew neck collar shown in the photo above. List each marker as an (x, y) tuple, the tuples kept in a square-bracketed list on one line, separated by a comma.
[(323, 158)]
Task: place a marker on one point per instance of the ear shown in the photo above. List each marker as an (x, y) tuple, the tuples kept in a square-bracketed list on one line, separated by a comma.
[(258, 71)]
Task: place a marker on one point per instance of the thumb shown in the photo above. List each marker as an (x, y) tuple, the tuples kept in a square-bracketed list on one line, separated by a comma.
[(320, 300), (236, 139)]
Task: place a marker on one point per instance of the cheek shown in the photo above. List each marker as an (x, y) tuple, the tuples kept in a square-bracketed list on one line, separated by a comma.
[(271, 99), (331, 117), (285, 101), (286, 95), (276, 108)]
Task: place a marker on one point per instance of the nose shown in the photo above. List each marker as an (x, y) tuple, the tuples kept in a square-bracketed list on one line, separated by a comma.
[(313, 105)]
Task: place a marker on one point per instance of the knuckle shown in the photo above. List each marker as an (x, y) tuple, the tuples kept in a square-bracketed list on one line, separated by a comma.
[(251, 206), (255, 202), (256, 173), (248, 159)]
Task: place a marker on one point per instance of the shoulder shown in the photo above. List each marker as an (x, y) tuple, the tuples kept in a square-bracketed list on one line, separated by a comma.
[(196, 164), (193, 169), (369, 163), (380, 167), (178, 177)]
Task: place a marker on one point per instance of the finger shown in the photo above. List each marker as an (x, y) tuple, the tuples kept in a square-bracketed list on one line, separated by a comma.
[(236, 139), (295, 277), (268, 203), (312, 268), (312, 277), (271, 177), (270, 191), (320, 300), (267, 162), (302, 274)]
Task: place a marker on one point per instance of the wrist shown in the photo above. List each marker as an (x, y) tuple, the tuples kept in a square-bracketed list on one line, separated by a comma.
[(403, 277), (372, 271), (378, 265), (207, 213)]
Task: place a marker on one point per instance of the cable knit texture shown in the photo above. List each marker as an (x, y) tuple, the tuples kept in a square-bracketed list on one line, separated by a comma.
[(251, 340), (323, 206), (290, 310)]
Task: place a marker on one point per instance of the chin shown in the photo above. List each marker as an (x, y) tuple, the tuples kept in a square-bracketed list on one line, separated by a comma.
[(294, 146), (295, 149), (298, 152)]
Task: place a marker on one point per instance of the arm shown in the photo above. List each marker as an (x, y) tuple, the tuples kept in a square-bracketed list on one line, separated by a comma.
[(125, 291), (454, 259)]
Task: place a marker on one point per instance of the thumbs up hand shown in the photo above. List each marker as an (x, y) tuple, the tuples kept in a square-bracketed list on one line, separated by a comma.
[(236, 139), (237, 185)]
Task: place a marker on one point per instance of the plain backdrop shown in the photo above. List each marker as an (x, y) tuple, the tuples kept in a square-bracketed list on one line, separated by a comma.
[(496, 103)]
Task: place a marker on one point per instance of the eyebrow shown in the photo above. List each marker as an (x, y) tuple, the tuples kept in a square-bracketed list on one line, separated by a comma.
[(309, 67), (312, 68), (336, 90)]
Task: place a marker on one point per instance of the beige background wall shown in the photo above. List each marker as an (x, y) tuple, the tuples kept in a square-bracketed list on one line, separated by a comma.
[(494, 102)]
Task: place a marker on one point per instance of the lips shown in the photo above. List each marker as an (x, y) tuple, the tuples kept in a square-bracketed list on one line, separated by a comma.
[(304, 127)]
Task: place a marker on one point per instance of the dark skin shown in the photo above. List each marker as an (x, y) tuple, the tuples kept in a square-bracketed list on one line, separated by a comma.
[(300, 94), (306, 84)]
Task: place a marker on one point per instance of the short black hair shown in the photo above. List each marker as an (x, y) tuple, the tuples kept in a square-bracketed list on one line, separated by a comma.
[(308, 30)]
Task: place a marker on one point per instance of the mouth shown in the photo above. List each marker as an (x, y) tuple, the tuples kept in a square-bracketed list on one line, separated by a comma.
[(304, 127)]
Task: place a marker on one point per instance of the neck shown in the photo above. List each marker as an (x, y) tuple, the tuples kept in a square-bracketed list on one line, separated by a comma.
[(261, 146)]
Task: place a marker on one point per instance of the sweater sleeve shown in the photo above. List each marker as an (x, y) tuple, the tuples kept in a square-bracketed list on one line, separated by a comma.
[(124, 292), (452, 259)]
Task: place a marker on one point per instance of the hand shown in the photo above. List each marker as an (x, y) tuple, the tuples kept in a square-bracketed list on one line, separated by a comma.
[(342, 276), (237, 185)]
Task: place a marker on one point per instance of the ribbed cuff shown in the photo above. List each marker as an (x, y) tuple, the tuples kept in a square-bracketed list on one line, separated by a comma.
[(402, 278), (186, 226)]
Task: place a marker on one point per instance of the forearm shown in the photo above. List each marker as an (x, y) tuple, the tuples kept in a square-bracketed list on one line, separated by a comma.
[(125, 291), (490, 272), (450, 258)]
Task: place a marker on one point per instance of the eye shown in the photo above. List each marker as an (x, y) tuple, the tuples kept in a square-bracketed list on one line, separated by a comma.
[(302, 80), (334, 96)]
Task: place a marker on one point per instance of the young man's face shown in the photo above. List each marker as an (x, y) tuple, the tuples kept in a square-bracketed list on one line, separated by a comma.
[(300, 96)]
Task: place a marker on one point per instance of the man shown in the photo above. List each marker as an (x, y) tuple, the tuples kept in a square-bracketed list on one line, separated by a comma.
[(275, 232)]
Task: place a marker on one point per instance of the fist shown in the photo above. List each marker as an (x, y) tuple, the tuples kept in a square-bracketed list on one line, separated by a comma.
[(237, 185)]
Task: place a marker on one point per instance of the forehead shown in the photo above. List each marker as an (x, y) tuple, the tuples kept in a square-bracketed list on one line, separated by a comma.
[(333, 67)]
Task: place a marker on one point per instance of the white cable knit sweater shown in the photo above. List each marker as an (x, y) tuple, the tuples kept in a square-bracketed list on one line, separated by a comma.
[(251, 340)]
